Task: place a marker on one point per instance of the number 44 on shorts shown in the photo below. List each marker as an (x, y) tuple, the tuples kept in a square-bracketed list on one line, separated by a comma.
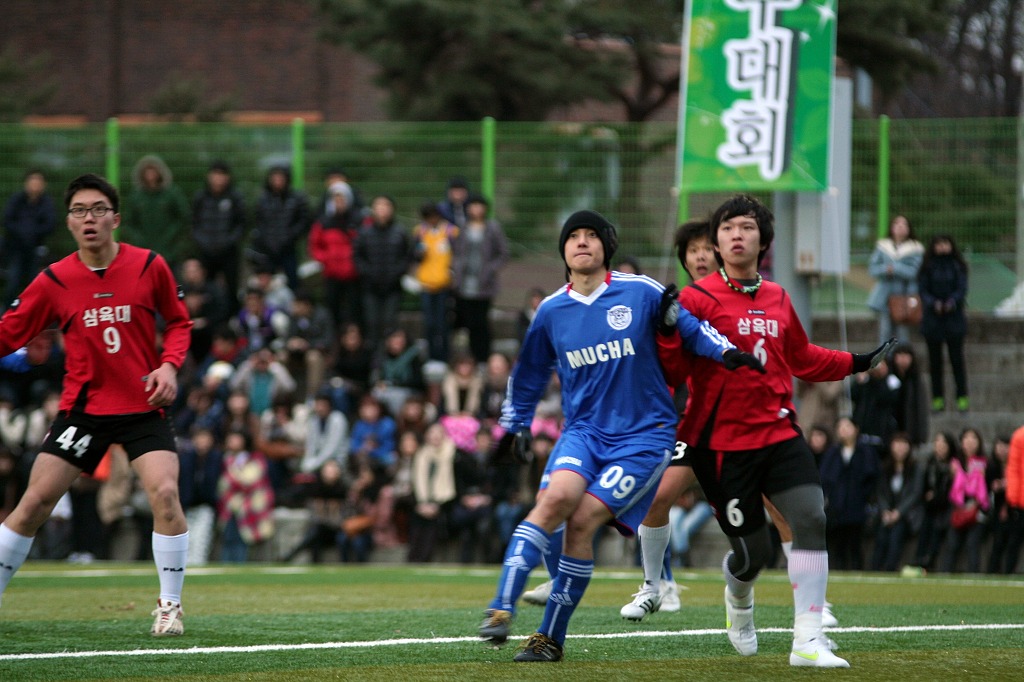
[(68, 443)]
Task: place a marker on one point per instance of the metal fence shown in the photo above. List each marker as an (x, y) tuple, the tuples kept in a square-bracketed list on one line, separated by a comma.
[(955, 176)]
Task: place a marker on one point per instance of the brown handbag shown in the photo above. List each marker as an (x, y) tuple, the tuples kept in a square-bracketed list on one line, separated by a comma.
[(905, 308)]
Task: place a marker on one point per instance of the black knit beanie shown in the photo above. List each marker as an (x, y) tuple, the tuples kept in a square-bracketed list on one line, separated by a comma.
[(597, 222)]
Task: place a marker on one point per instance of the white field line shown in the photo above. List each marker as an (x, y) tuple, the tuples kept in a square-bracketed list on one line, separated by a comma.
[(261, 648)]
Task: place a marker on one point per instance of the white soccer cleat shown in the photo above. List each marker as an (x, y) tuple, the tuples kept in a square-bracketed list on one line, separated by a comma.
[(539, 595), (168, 619), (647, 600), (739, 623), (815, 653), (828, 619), (669, 596)]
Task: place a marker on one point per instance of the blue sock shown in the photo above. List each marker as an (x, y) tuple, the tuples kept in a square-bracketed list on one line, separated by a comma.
[(525, 551), (554, 553), (666, 566), (570, 584)]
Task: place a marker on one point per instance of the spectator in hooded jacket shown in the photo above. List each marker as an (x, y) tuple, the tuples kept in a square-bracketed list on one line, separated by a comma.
[(332, 241), (383, 254), (156, 214), (282, 219), (894, 264), (942, 282), (29, 218), (218, 225)]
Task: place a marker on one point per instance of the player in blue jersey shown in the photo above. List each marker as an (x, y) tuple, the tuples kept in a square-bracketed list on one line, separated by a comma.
[(598, 334)]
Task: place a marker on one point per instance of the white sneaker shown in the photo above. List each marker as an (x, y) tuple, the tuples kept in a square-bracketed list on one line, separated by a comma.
[(168, 619), (669, 596), (647, 600), (815, 653), (539, 595), (739, 622), (828, 619)]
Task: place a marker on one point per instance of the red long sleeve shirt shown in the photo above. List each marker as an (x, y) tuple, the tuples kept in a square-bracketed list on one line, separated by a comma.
[(742, 409), (109, 323)]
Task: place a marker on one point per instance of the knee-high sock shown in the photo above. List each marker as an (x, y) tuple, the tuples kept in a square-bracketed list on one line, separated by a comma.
[(808, 573), (525, 550), (14, 550), (554, 553), (653, 542), (170, 554), (570, 584)]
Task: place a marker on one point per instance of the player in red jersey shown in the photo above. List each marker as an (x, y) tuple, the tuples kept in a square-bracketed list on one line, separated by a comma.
[(742, 432), (106, 298)]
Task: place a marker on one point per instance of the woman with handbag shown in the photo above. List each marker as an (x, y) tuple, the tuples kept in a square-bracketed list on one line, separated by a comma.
[(942, 283), (969, 499), (894, 264)]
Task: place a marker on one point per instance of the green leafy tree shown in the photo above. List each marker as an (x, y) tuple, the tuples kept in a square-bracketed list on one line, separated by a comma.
[(884, 37), (24, 83), (466, 59)]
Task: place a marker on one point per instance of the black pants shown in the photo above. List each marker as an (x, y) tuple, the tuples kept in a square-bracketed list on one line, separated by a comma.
[(956, 360), (475, 315)]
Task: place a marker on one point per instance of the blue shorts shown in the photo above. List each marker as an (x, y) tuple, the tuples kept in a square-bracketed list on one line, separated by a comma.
[(624, 477)]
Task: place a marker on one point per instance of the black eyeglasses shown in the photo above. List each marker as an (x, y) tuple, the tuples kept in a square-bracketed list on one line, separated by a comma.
[(97, 211)]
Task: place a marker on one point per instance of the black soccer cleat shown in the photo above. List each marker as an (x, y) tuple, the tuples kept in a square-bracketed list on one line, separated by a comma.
[(496, 626), (539, 649)]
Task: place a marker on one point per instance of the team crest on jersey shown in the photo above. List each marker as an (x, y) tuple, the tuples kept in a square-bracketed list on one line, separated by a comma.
[(620, 317)]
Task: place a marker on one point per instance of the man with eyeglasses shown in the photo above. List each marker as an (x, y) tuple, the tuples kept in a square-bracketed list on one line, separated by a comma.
[(106, 298)]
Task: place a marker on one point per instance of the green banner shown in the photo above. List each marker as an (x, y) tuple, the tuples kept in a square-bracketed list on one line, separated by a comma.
[(757, 94)]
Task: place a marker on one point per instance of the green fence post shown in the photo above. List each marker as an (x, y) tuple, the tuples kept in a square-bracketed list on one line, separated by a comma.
[(883, 176), (488, 154), (113, 152), (298, 153)]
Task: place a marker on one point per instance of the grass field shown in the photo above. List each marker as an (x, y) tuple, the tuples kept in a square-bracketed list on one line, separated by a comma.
[(266, 622)]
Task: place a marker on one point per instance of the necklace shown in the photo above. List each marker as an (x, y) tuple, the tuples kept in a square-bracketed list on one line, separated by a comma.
[(749, 289)]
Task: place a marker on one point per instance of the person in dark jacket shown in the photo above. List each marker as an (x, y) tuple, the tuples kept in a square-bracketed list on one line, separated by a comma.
[(911, 407), (874, 395), (849, 473), (218, 225), (936, 482), (942, 283), (282, 219), (898, 499), (156, 212), (383, 255), (29, 218)]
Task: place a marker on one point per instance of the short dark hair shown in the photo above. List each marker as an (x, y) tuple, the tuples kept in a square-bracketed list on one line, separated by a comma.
[(92, 181), (690, 231), (744, 205)]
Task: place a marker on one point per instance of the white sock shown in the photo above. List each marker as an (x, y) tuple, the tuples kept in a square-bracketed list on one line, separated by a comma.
[(653, 542), (808, 573), (14, 550), (170, 554), (787, 548)]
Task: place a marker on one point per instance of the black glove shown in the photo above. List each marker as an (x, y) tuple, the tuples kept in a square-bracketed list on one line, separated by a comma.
[(668, 312), (862, 362), (516, 444), (734, 359)]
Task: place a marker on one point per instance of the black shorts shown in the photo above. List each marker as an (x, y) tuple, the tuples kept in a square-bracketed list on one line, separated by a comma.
[(680, 455), (82, 439), (734, 481)]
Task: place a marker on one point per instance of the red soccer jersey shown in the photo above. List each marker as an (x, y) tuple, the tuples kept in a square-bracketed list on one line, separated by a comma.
[(742, 409), (109, 326)]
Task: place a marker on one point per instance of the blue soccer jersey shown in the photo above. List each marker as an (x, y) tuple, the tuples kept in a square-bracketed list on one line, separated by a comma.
[(603, 348)]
